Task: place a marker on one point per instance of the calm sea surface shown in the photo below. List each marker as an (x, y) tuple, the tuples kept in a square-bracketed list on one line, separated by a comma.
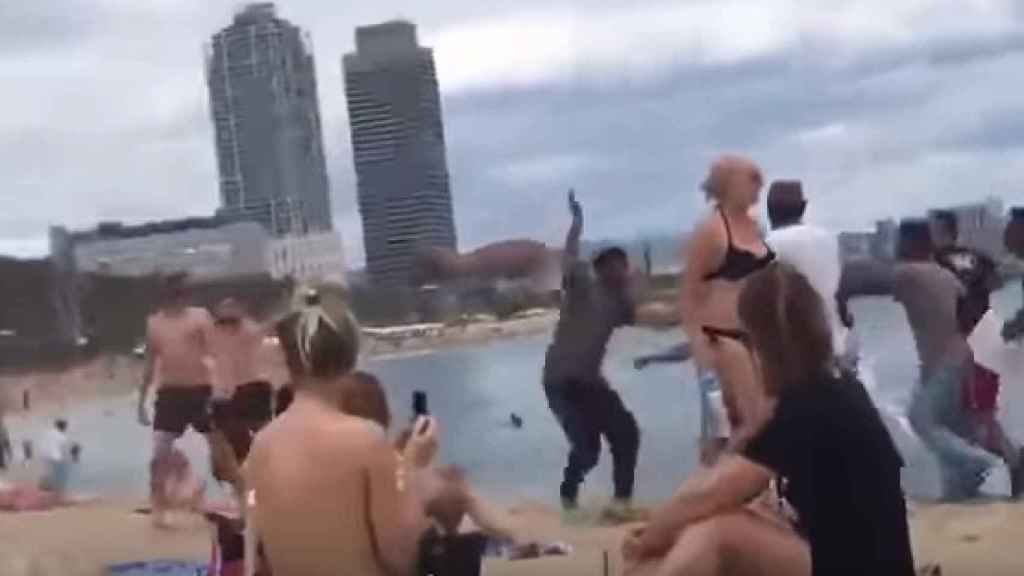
[(473, 390)]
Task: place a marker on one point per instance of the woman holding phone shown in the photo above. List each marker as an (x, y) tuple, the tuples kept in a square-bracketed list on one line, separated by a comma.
[(332, 495)]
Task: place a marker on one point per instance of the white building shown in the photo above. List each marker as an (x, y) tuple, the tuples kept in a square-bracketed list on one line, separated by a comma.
[(316, 257), (204, 248)]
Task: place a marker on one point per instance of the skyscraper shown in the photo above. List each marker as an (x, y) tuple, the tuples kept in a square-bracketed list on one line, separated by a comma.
[(398, 145), (266, 117)]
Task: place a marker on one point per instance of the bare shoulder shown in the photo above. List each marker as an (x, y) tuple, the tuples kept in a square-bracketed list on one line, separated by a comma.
[(200, 315), (708, 236)]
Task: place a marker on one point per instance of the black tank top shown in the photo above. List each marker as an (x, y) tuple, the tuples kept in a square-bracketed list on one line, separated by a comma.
[(738, 263)]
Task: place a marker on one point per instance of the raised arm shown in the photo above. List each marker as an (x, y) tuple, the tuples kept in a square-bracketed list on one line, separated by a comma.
[(572, 240)]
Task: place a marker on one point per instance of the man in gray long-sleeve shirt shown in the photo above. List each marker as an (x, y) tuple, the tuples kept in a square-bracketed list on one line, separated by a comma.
[(929, 294), (593, 307)]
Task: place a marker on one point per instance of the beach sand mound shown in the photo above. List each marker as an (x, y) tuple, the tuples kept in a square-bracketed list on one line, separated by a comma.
[(81, 541)]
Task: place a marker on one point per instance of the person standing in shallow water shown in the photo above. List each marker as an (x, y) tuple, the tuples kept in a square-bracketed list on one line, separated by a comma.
[(177, 349)]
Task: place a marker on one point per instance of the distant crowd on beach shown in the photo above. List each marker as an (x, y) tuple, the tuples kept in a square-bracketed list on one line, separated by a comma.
[(798, 475)]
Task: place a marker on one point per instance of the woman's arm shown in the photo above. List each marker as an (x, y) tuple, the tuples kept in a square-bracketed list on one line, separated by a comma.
[(395, 516), (729, 485), (700, 256)]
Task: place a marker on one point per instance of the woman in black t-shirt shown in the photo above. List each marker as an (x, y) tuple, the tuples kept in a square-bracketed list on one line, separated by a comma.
[(838, 468)]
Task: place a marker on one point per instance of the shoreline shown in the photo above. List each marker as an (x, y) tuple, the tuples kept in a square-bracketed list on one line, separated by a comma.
[(115, 375)]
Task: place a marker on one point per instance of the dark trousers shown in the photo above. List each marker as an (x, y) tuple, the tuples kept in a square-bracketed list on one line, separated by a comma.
[(587, 411)]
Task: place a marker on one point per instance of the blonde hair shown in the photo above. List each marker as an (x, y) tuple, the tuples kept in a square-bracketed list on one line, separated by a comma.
[(320, 341)]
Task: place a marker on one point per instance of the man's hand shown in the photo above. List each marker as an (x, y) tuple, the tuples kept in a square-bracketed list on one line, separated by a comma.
[(575, 208)]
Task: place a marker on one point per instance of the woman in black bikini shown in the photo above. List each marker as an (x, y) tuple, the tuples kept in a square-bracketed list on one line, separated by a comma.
[(725, 249)]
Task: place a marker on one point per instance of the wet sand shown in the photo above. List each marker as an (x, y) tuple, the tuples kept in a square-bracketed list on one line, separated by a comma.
[(81, 541)]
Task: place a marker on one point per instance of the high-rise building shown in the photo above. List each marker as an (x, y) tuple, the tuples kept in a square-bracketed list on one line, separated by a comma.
[(399, 150), (266, 116)]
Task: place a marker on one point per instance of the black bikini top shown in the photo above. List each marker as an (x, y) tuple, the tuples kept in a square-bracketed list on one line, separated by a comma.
[(738, 263)]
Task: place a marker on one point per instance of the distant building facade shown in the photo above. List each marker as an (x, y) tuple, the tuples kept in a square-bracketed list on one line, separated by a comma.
[(399, 151), (883, 245), (204, 248), (856, 245), (266, 116), (315, 257), (982, 225)]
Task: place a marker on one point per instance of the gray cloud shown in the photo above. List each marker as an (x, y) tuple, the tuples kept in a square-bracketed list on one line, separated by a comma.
[(106, 115)]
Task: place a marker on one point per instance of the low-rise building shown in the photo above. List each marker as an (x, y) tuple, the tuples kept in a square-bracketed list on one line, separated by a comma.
[(315, 257), (204, 248)]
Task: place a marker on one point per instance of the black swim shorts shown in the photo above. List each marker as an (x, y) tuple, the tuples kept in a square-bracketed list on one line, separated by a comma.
[(177, 408)]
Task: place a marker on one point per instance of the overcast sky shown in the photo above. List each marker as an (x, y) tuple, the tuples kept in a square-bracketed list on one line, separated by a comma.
[(882, 107)]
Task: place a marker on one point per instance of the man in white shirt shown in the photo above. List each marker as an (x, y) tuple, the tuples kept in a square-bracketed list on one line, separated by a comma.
[(813, 251)]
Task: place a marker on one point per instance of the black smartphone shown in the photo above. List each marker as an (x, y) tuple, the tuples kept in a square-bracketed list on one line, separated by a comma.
[(419, 404)]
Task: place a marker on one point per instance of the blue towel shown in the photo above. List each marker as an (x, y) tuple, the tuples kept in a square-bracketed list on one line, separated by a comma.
[(158, 568)]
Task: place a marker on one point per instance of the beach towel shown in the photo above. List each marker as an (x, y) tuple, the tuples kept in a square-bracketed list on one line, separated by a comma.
[(26, 499), (158, 568)]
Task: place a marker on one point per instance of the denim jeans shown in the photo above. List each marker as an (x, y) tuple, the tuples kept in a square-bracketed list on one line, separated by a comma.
[(940, 419)]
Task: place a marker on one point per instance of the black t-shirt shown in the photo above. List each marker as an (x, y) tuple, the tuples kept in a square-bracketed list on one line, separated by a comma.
[(977, 273), (841, 473)]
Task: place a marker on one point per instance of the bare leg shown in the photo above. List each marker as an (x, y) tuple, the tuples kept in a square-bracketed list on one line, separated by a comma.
[(225, 465), (159, 471), (740, 544), (741, 391)]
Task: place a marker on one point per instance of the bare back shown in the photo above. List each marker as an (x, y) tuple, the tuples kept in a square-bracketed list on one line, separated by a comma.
[(236, 354), (327, 492), (179, 341)]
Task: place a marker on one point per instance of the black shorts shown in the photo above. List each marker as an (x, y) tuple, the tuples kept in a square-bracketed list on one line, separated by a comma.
[(251, 404), (178, 408)]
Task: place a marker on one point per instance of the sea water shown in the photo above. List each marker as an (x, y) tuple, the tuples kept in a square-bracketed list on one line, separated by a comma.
[(474, 390)]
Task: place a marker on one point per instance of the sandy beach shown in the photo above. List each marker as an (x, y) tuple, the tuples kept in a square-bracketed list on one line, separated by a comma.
[(82, 541), (966, 540)]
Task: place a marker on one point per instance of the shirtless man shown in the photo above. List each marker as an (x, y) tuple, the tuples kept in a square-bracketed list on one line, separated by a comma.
[(177, 349), (332, 496), (242, 395)]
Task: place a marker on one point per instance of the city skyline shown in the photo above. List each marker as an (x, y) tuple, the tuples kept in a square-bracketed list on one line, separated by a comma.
[(882, 109), (265, 111), (397, 128)]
